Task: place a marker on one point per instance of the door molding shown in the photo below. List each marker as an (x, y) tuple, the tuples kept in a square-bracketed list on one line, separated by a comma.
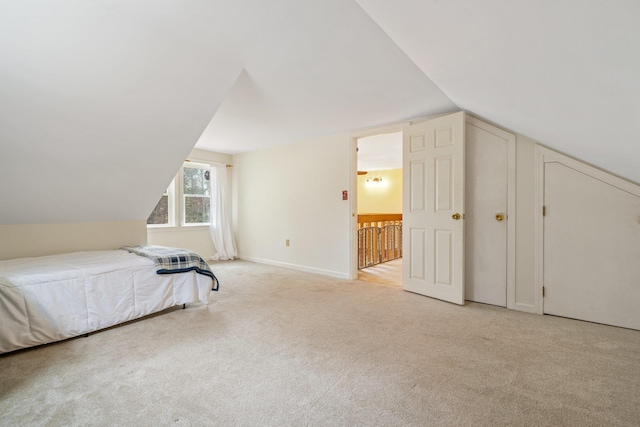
[(545, 155), (511, 203)]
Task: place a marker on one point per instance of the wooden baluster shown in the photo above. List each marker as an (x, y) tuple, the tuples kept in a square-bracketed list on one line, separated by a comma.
[(379, 238)]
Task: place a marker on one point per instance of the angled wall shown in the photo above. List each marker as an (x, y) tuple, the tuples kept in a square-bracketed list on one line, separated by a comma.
[(97, 113), (99, 109)]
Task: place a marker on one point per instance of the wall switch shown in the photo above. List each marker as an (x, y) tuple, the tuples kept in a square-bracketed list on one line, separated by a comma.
[(286, 243)]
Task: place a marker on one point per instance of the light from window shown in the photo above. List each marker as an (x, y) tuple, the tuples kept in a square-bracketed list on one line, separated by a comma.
[(160, 214), (196, 190)]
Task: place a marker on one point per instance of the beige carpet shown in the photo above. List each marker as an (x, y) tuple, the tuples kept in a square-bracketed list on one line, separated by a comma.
[(279, 347)]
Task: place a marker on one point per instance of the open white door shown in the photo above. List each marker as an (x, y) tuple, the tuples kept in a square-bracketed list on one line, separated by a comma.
[(433, 208)]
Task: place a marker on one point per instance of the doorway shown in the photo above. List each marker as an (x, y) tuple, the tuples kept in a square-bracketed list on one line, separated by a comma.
[(490, 275), (379, 208)]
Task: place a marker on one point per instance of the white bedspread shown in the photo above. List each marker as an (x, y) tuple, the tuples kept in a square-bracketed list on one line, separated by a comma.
[(55, 297)]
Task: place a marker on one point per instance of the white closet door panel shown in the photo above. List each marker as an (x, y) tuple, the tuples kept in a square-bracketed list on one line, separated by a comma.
[(591, 249), (486, 188)]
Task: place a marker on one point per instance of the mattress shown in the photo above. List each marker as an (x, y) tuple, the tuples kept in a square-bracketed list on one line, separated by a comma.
[(55, 297)]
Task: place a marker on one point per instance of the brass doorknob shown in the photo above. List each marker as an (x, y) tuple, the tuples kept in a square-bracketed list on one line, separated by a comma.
[(456, 216), (499, 217)]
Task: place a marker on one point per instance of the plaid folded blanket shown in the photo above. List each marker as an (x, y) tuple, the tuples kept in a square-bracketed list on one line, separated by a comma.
[(174, 260)]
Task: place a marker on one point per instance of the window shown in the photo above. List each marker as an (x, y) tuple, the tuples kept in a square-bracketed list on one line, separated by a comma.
[(196, 195), (187, 201), (163, 213), (160, 214)]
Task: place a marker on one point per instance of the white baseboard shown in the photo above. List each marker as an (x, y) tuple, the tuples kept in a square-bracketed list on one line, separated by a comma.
[(304, 268), (525, 307)]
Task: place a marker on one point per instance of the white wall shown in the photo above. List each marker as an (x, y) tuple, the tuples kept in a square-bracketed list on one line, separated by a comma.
[(294, 192), (29, 240), (196, 238)]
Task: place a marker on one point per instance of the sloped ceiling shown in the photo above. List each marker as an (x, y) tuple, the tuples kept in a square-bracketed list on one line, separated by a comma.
[(99, 105), (101, 100), (314, 68), (563, 72)]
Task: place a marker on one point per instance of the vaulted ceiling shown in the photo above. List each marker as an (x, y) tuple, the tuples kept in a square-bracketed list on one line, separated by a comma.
[(563, 72), (100, 100)]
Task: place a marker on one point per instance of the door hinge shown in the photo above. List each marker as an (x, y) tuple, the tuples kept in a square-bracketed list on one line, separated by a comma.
[(543, 292), (544, 211)]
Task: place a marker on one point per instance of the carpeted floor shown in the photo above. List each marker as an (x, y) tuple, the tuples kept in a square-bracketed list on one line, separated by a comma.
[(281, 347)]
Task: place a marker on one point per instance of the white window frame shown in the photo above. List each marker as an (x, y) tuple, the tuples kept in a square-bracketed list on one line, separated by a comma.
[(176, 198), (171, 207), (182, 196)]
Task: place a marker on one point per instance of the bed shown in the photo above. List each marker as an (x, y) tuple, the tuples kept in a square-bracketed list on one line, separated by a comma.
[(51, 298)]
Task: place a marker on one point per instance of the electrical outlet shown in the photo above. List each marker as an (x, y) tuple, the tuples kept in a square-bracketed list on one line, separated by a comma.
[(286, 243)]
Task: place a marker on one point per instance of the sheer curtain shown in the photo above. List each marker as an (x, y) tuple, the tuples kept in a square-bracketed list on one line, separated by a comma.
[(220, 227)]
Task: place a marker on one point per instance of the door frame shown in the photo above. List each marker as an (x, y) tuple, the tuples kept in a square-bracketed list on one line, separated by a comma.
[(511, 202), (353, 188), (545, 155), (353, 181)]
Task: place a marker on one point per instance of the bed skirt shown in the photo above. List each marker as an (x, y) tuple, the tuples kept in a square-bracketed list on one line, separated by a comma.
[(55, 297)]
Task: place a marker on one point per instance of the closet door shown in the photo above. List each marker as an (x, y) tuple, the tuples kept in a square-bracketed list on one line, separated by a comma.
[(591, 247), (490, 213)]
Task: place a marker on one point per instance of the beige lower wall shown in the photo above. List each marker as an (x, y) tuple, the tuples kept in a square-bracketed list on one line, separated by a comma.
[(196, 239), (29, 240)]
